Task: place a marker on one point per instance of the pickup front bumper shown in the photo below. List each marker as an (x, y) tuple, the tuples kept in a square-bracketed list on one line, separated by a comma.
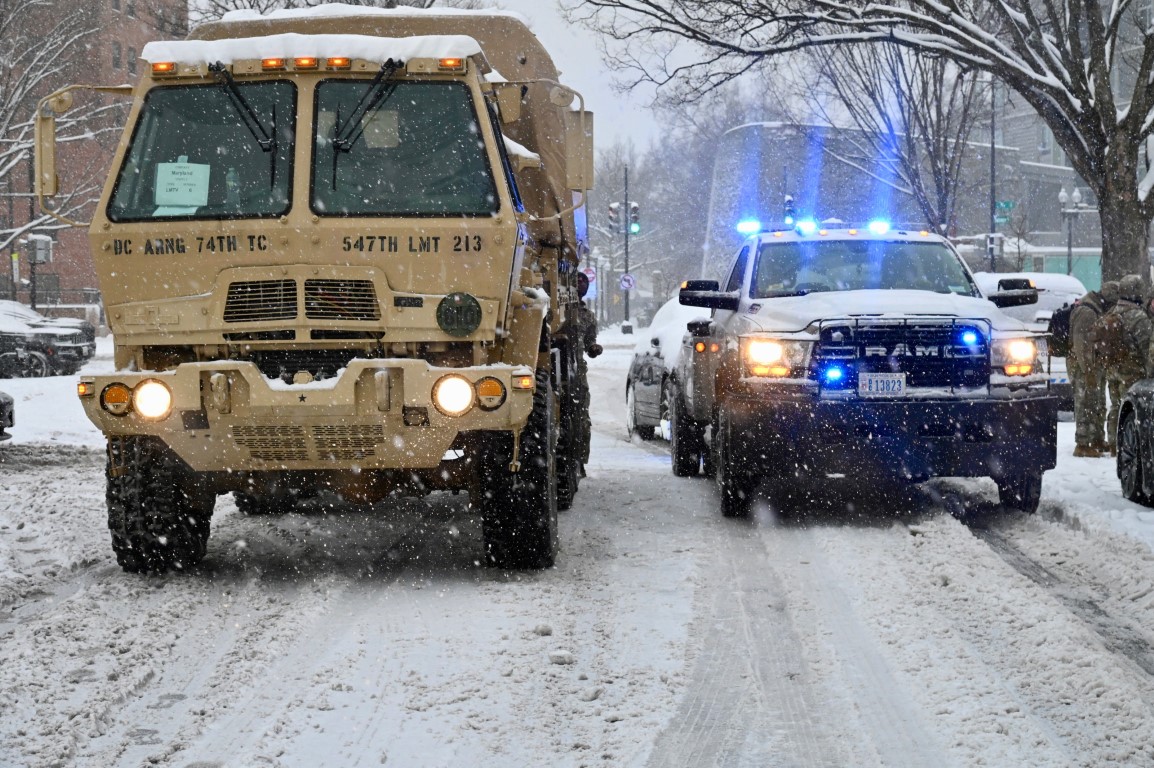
[(916, 439)]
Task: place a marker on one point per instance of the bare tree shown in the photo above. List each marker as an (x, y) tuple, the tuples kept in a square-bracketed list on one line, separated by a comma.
[(44, 40), (1086, 67), (914, 114), (207, 10)]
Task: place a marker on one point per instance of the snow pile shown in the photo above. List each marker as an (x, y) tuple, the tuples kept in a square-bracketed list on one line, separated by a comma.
[(290, 45)]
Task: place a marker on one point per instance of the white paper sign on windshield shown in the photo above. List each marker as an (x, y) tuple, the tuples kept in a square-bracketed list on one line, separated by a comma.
[(182, 184)]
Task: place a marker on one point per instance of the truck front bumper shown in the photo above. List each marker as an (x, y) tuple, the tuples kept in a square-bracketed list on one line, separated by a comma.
[(916, 439), (376, 414)]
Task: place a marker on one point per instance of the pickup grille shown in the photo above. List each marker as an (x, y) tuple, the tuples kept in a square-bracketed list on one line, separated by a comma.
[(341, 300), (932, 353), (261, 300)]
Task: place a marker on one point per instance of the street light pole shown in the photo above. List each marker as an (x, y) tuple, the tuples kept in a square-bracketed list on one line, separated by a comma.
[(625, 226), (1069, 214)]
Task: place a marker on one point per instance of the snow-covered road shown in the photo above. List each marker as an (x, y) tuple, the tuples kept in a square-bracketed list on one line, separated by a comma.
[(852, 628)]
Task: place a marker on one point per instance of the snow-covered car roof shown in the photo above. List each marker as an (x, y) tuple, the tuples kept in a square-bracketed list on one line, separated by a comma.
[(1054, 292)]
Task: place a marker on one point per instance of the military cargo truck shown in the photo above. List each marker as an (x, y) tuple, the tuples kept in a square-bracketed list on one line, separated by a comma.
[(338, 250)]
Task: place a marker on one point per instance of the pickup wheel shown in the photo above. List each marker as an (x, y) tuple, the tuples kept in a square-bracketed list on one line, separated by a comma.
[(519, 510), (685, 438), (734, 484), (1022, 491), (157, 514)]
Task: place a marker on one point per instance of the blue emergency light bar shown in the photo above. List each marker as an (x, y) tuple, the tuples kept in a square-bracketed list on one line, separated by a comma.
[(748, 226)]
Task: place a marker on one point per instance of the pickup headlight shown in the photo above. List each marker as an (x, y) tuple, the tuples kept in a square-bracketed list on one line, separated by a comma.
[(1017, 357), (775, 358)]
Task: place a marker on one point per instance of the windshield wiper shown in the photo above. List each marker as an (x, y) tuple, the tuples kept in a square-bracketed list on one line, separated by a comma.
[(380, 89), (266, 139)]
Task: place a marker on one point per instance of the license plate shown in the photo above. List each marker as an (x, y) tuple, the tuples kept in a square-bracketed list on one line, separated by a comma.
[(881, 385)]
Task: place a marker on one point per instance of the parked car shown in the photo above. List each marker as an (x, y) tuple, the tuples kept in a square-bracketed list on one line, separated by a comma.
[(7, 415), (654, 359), (42, 346), (1054, 292)]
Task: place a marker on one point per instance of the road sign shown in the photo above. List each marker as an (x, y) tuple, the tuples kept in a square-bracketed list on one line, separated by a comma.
[(591, 292), (627, 282), (1001, 219), (591, 274), (1005, 205)]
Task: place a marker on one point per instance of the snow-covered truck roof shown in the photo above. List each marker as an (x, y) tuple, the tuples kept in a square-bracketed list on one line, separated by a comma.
[(292, 44), (508, 46)]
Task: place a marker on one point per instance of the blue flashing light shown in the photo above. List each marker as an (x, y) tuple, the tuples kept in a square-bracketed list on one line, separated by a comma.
[(879, 227), (834, 374), (789, 221), (748, 226), (807, 226), (969, 337)]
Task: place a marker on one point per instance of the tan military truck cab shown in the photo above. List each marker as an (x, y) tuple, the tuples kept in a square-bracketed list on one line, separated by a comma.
[(338, 252)]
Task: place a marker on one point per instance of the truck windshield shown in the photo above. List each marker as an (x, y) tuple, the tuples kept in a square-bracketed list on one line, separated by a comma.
[(419, 153), (193, 155), (796, 268)]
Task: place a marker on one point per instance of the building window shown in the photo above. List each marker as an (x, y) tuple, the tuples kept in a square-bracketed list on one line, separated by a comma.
[(130, 58), (116, 55)]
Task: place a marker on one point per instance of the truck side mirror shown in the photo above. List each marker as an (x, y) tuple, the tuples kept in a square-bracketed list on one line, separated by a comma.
[(45, 141), (699, 327), (1014, 298), (509, 97), (578, 149)]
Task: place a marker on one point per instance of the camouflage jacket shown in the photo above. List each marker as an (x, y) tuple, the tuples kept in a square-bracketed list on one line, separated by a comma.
[(1088, 309), (1139, 329)]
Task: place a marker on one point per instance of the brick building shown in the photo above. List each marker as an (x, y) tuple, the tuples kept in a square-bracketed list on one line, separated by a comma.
[(109, 57)]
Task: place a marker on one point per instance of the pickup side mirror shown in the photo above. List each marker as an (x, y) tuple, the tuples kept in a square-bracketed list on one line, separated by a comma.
[(1013, 298), (707, 294)]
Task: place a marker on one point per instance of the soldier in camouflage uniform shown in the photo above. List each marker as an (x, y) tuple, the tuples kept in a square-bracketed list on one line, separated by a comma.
[(1138, 326), (587, 338), (1086, 377)]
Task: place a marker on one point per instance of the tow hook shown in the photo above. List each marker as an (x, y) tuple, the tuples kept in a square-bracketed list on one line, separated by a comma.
[(515, 462)]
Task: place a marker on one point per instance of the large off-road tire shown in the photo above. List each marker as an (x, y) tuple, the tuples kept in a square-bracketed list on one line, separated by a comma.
[(1129, 462), (734, 483), (157, 514), (1021, 491), (631, 425), (36, 366), (686, 438), (519, 510)]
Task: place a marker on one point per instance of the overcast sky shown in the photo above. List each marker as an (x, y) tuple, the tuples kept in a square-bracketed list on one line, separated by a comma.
[(576, 54)]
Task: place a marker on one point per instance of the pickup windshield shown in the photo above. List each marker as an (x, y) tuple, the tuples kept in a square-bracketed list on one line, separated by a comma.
[(797, 268), (417, 153), (194, 156)]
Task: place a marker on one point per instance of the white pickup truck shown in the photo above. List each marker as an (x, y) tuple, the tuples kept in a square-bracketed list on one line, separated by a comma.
[(864, 352)]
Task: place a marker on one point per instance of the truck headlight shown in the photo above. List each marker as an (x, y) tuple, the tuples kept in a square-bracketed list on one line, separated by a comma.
[(1018, 357), (453, 395), (152, 399), (776, 358)]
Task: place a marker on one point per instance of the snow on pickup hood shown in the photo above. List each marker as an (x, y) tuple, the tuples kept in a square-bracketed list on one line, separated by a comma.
[(796, 313)]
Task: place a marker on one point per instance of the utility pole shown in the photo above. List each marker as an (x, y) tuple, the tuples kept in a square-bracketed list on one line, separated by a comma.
[(31, 218), (991, 242), (626, 228)]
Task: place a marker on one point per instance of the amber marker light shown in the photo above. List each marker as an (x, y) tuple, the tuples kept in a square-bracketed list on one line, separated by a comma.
[(524, 382), (164, 68), (853, 231), (490, 393), (306, 62), (270, 64), (116, 399), (85, 389), (338, 62), (451, 64)]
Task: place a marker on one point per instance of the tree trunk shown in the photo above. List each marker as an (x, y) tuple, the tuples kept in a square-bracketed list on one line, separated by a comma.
[(1124, 236)]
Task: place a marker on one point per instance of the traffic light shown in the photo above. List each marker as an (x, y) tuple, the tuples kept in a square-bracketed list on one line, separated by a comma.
[(634, 218), (615, 214), (790, 214)]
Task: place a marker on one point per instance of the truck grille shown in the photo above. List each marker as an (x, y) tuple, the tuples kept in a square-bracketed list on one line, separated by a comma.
[(257, 300), (932, 353), (341, 300), (332, 442)]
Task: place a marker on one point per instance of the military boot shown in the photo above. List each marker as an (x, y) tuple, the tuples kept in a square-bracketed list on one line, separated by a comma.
[(1087, 451)]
